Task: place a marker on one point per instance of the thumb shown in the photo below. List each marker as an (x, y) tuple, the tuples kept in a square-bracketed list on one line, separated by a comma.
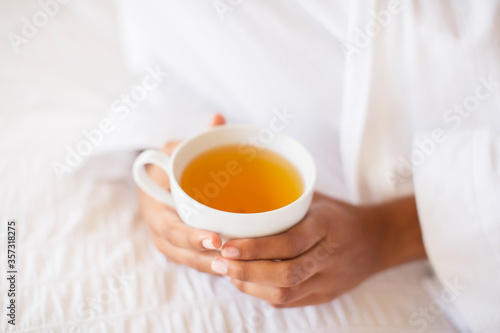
[(217, 120)]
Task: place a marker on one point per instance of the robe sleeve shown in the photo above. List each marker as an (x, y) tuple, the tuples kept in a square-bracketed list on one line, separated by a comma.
[(457, 190)]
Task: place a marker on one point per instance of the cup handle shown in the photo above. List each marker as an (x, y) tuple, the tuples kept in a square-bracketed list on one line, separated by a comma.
[(143, 180)]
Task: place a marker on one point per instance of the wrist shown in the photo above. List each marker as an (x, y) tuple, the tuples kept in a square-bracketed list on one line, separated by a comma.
[(400, 234)]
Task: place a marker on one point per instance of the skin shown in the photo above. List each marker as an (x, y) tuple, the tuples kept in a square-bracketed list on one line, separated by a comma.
[(332, 250)]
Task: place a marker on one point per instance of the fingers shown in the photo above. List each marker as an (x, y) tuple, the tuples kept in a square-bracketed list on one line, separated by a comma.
[(156, 173), (314, 298), (181, 243), (201, 261), (167, 224), (164, 221), (287, 245), (169, 147), (286, 273), (217, 120), (277, 295)]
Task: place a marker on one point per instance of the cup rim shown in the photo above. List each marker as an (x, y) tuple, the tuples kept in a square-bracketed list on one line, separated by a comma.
[(307, 154)]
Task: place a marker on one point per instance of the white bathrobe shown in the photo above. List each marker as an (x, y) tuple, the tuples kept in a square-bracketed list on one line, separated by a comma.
[(391, 98)]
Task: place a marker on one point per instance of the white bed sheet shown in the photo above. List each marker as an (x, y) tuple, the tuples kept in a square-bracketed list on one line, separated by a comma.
[(86, 261)]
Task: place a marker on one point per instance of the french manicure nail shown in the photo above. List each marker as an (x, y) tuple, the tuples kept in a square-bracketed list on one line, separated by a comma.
[(207, 244), (231, 252), (220, 266)]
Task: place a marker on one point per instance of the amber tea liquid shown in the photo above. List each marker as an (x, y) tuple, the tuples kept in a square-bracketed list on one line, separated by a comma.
[(242, 179)]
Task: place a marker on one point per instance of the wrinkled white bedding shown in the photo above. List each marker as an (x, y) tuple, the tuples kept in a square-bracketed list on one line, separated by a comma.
[(86, 261), (87, 265)]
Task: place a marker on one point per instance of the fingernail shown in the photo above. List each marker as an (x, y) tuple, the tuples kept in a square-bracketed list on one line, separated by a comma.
[(231, 252), (207, 244), (220, 266)]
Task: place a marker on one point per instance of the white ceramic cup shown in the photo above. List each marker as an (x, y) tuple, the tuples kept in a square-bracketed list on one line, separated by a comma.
[(228, 225)]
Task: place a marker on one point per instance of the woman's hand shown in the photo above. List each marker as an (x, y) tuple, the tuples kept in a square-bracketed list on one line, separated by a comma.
[(179, 242), (332, 250)]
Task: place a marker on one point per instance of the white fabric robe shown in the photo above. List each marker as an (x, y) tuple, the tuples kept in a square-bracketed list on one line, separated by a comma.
[(376, 106)]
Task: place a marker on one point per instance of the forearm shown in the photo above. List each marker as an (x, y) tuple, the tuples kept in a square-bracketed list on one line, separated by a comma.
[(401, 240)]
